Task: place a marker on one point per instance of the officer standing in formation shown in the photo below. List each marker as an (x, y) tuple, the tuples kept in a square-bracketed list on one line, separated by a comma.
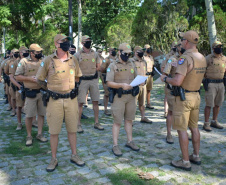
[(62, 72), (150, 64), (170, 69), (89, 63), (171, 53), (188, 77), (26, 73), (106, 62), (141, 69), (119, 75), (214, 86)]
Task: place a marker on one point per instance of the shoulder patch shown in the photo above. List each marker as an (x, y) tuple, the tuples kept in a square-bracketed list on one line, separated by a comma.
[(109, 69), (12, 66), (181, 61), (104, 61), (132, 70), (42, 64), (19, 64), (169, 61)]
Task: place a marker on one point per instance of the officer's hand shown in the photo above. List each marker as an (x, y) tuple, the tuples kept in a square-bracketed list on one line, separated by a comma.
[(162, 77), (33, 79), (126, 86), (0, 79), (142, 84)]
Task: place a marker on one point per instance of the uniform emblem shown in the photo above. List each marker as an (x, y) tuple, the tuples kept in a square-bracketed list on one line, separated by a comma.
[(42, 64), (19, 64), (71, 71), (104, 61), (169, 61), (144, 67), (181, 61), (222, 65), (132, 71), (108, 70), (11, 66), (164, 58), (93, 60)]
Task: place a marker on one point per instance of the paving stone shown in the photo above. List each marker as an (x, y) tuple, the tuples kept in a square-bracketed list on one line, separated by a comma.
[(21, 182), (107, 170), (122, 166), (92, 175), (56, 181), (166, 168), (84, 170), (41, 172), (3, 164), (102, 180)]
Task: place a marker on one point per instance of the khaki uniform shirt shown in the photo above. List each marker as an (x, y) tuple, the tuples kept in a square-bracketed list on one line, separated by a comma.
[(140, 64), (215, 67), (107, 62), (121, 72), (88, 62), (193, 78), (60, 75), (171, 65)]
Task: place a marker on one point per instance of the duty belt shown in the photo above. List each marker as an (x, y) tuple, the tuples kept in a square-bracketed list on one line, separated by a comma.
[(56, 96), (89, 77), (187, 91), (215, 81), (125, 91), (34, 90)]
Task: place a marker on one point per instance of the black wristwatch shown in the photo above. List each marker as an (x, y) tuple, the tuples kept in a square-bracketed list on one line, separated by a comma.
[(165, 79)]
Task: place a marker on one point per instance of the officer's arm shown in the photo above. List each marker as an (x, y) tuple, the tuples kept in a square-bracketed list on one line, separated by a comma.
[(22, 78), (12, 79), (115, 85), (176, 81), (43, 84), (98, 66)]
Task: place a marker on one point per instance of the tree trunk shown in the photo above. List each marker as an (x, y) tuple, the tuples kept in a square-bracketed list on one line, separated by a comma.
[(79, 24), (211, 23), (70, 20)]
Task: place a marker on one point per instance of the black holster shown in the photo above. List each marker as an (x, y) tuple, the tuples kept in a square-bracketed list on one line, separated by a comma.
[(13, 87), (112, 93), (45, 97), (22, 93), (178, 91), (31, 93), (224, 80), (205, 83), (104, 77), (135, 91)]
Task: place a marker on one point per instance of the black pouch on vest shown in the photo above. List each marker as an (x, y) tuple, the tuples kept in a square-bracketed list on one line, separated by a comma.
[(135, 91), (30, 94)]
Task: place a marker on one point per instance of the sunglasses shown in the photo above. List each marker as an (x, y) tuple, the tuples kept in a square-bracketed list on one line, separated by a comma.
[(126, 54), (183, 39)]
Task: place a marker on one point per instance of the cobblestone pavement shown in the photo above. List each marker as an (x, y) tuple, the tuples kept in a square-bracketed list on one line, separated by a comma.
[(21, 165)]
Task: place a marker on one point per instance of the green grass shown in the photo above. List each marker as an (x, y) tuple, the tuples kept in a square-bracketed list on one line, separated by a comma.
[(130, 175), (19, 149), (138, 133)]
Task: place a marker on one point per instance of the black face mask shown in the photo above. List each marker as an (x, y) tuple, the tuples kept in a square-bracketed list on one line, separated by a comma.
[(25, 55), (174, 49), (87, 44), (182, 50), (217, 50), (113, 53), (38, 56), (124, 57), (141, 54), (149, 50), (72, 52), (16, 55), (65, 46)]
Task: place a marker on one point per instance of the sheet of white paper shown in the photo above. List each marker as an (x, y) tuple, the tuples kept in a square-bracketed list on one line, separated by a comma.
[(138, 80)]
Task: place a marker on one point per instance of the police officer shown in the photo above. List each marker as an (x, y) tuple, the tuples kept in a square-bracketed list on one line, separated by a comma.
[(89, 63), (19, 102), (9, 70), (105, 63), (119, 75), (214, 94), (5, 77), (170, 70), (172, 52), (190, 71), (62, 71), (8, 85), (150, 64), (141, 68), (25, 72)]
